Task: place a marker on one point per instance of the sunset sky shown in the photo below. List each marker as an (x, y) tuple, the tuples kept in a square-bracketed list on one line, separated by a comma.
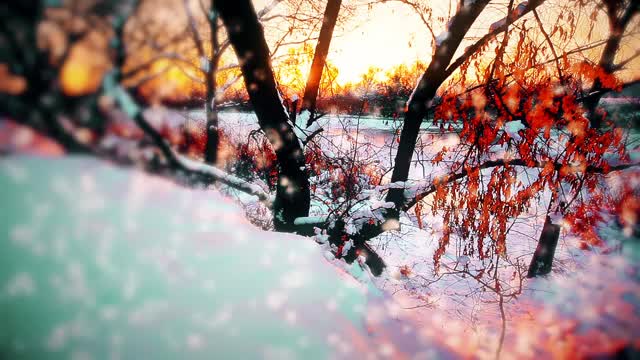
[(388, 35), (383, 35), (391, 33)]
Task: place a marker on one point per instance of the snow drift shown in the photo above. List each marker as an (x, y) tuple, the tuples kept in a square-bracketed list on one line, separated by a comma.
[(98, 261)]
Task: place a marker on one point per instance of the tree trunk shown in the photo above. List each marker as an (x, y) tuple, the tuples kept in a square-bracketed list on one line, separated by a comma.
[(606, 63), (293, 111), (422, 96), (617, 27), (319, 57), (213, 138), (247, 38), (543, 256), (408, 137)]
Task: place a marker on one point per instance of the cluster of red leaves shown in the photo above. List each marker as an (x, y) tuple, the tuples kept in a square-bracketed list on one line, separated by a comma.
[(337, 181), (124, 129), (478, 211), (256, 159), (189, 138), (418, 211), (587, 216), (18, 138), (556, 141), (627, 206), (584, 219), (592, 73), (252, 159), (345, 178)]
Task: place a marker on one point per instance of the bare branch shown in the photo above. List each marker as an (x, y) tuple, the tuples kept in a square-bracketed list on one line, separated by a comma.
[(550, 43), (511, 18), (447, 179)]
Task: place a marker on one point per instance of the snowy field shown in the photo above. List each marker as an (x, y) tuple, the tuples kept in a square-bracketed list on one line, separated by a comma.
[(454, 291), (105, 260), (101, 260)]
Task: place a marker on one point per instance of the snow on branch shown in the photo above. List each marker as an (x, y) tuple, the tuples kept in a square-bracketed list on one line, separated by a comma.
[(310, 220), (447, 179), (195, 170), (209, 173), (267, 9), (306, 134)]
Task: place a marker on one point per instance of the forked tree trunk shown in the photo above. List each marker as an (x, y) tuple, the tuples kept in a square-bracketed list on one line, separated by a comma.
[(319, 57), (247, 38), (543, 256), (423, 95)]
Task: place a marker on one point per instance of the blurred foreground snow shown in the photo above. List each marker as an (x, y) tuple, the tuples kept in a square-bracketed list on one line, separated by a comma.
[(104, 262)]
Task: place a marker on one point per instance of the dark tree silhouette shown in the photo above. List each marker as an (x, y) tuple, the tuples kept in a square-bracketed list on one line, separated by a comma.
[(319, 58), (247, 38), (619, 14)]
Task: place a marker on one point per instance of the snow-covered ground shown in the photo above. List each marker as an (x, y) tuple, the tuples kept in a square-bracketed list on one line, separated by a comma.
[(458, 290), (103, 262), (100, 260)]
